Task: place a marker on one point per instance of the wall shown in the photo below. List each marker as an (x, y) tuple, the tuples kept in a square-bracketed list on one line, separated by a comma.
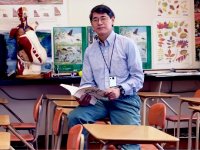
[(128, 12)]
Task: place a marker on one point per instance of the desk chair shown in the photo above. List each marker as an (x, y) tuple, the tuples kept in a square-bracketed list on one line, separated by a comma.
[(5, 121), (75, 140), (183, 118), (156, 118), (30, 138), (159, 96)]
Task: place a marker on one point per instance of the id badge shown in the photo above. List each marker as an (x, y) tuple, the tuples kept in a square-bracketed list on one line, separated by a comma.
[(113, 81)]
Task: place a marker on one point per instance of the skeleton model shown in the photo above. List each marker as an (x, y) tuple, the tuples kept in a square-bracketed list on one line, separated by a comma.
[(31, 55)]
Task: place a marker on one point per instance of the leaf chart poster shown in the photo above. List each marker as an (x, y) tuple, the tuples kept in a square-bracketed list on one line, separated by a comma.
[(173, 8), (172, 43), (197, 28)]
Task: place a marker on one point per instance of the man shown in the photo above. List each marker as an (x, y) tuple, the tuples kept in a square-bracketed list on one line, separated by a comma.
[(112, 63)]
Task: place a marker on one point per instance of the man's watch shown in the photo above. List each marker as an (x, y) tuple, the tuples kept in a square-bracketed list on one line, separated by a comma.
[(122, 91)]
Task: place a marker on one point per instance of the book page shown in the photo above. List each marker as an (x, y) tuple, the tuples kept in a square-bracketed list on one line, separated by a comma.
[(93, 91), (72, 89), (79, 91)]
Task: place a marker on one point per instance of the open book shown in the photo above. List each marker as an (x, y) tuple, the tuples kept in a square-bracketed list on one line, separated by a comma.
[(79, 91)]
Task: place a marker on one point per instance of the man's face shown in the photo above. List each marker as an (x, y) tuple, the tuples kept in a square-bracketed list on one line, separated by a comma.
[(102, 24)]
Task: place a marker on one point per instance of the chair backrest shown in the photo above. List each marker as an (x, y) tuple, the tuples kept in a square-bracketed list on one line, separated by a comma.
[(197, 93), (74, 137), (58, 123), (157, 115), (37, 108)]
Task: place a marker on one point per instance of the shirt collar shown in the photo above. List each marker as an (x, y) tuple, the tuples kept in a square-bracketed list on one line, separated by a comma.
[(109, 40)]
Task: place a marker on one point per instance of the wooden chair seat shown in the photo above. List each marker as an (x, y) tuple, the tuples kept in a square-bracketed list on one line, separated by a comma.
[(23, 126), (27, 137), (148, 147)]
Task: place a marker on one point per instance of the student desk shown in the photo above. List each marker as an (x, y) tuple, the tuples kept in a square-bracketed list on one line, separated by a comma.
[(189, 100), (5, 140), (195, 109), (5, 121), (128, 134), (4, 136), (49, 100), (146, 96)]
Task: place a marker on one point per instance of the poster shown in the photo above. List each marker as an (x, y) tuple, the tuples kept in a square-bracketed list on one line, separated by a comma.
[(69, 47), (197, 29), (11, 51), (173, 43), (32, 2), (142, 36)]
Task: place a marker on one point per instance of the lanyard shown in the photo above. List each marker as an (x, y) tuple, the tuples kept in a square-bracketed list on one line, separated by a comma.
[(108, 67)]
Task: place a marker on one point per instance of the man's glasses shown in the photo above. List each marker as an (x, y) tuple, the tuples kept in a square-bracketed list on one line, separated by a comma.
[(103, 19)]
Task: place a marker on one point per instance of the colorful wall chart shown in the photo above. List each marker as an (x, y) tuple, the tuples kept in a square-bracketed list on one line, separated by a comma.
[(172, 8), (172, 42)]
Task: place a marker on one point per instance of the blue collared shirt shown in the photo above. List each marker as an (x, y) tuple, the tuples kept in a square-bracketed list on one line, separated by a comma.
[(102, 60)]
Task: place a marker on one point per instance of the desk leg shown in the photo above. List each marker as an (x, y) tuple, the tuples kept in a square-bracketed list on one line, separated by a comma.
[(178, 125), (144, 111), (197, 132), (160, 86), (47, 124), (190, 132)]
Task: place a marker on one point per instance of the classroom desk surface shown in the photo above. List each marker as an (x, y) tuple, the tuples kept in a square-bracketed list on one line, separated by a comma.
[(169, 76), (194, 100), (5, 140), (66, 104), (4, 120), (124, 134), (60, 97)]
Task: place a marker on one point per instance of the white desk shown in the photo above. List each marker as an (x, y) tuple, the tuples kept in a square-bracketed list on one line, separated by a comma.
[(5, 140), (128, 134)]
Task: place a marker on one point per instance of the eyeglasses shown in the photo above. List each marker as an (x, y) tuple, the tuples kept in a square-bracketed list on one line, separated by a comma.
[(103, 19)]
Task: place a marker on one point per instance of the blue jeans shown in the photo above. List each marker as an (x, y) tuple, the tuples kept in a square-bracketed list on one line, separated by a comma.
[(123, 111)]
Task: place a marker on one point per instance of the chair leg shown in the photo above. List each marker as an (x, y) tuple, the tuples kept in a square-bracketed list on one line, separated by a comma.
[(175, 125)]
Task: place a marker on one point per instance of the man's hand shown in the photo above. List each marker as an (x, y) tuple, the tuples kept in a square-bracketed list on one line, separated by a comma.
[(84, 100), (112, 93)]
